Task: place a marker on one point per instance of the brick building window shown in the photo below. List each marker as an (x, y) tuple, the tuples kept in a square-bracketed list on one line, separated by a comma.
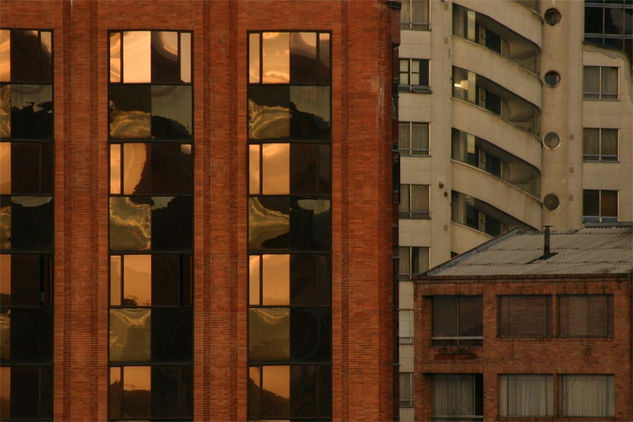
[(600, 83), (599, 206), (457, 397), (414, 201), (414, 75), (599, 144), (586, 396), (457, 321), (526, 395), (413, 138), (525, 316), (585, 316), (415, 15), (413, 260)]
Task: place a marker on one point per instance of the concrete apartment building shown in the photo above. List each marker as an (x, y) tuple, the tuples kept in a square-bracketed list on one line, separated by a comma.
[(186, 205), (513, 113), (514, 331)]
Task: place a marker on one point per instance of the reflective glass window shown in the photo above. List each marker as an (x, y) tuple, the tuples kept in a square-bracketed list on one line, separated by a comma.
[(310, 334), (31, 331), (275, 169), (254, 391), (310, 224), (171, 280), (26, 392), (310, 277), (275, 57), (324, 58), (130, 335), (171, 334), (171, 111), (5, 55), (254, 169), (5, 111), (253, 58), (303, 57), (136, 56), (26, 222), (130, 107), (115, 57), (309, 112), (310, 389), (310, 169), (275, 280), (137, 168), (26, 279), (31, 167), (276, 391), (268, 334), (31, 111), (30, 54), (172, 223), (137, 387), (268, 223), (130, 223), (171, 392), (268, 112), (165, 66), (137, 276)]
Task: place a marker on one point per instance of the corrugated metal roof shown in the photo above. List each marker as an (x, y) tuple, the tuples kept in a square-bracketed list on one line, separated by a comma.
[(592, 250)]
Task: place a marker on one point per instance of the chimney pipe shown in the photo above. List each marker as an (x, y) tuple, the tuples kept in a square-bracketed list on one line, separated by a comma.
[(546, 242)]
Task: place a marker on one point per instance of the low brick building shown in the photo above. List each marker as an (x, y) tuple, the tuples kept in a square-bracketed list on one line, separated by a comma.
[(511, 330)]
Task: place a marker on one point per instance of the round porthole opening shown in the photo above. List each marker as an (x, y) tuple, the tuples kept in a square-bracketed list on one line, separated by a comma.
[(551, 140), (552, 78), (552, 16), (551, 202)]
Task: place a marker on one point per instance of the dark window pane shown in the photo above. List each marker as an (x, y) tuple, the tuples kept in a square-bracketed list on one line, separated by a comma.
[(30, 392), (46, 51), (613, 20), (172, 336), (137, 168), (130, 108), (310, 334), (5, 111), (31, 111), (470, 316), (25, 56), (303, 46), (309, 112), (324, 58), (130, 223), (186, 391), (310, 277), (585, 316), (590, 203), (254, 392), (593, 20), (165, 168), (304, 390), (591, 142), (186, 169), (268, 334), (309, 169), (525, 316), (25, 158), (31, 334), (310, 224), (609, 203), (445, 316), (165, 400), (165, 67), (268, 112), (268, 223), (136, 392), (172, 225), (31, 223), (165, 280), (171, 112), (26, 276), (617, 43), (115, 395)]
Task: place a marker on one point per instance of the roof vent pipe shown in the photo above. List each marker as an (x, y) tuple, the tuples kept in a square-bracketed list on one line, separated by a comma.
[(546, 242)]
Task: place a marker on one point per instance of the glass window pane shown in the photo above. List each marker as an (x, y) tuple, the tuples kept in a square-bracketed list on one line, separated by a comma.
[(137, 280), (172, 334), (591, 82), (254, 392), (165, 168), (403, 137), (115, 280), (275, 169), (137, 56), (268, 334), (609, 203), (25, 56), (309, 168), (164, 58), (28, 279), (590, 203), (5, 111), (404, 261), (46, 55), (470, 323), (5, 333), (254, 273), (268, 223), (115, 169), (309, 112), (585, 316), (165, 391), (253, 169), (136, 168), (419, 259), (590, 143), (609, 144), (525, 316), (31, 167), (310, 277), (303, 52), (31, 334), (172, 223), (268, 112), (130, 334), (5, 56), (171, 112), (5, 223), (130, 111), (324, 58), (445, 316), (186, 169), (593, 20), (167, 279), (307, 384), (31, 220), (115, 57), (420, 199), (276, 57), (115, 392), (276, 391), (420, 138), (310, 224), (587, 395), (253, 58), (185, 57), (404, 199), (275, 279), (609, 82), (30, 392), (31, 111), (5, 280), (137, 387), (130, 224), (526, 395), (310, 334)]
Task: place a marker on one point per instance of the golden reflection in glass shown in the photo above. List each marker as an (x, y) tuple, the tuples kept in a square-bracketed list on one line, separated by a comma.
[(5, 111), (324, 57), (115, 392), (253, 279), (137, 386), (265, 225), (5, 280), (5, 227), (253, 169), (276, 280), (115, 168), (137, 378), (169, 41), (137, 280), (266, 122), (275, 57), (47, 41), (130, 335), (253, 58), (276, 169), (269, 334), (185, 57), (134, 162), (5, 334), (314, 100), (115, 280), (5, 392), (5, 55), (5, 167), (130, 224), (276, 381), (115, 57), (137, 56)]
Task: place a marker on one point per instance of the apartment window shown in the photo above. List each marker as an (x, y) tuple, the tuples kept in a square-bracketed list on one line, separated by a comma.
[(27, 392), (587, 396), (526, 395), (457, 397), (414, 75), (413, 260), (457, 321), (525, 316), (600, 144), (413, 138), (405, 326), (610, 24), (585, 316), (414, 201), (415, 14), (599, 206), (406, 389), (600, 83)]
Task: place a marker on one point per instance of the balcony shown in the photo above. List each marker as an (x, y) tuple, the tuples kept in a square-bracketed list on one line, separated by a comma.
[(464, 238)]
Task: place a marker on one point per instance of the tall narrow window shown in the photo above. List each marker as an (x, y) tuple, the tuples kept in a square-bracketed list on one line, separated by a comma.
[(26, 224), (289, 226), (600, 83), (600, 144), (599, 206), (413, 138), (151, 225), (415, 15)]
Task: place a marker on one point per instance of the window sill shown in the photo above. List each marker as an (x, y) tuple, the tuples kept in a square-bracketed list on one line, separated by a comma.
[(616, 161), (407, 153), (415, 26), (414, 216), (415, 89)]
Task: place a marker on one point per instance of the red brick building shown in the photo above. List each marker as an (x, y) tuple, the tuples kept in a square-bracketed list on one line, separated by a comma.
[(208, 177), (508, 332)]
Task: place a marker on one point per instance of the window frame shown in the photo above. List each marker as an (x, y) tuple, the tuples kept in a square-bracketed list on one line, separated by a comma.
[(550, 398), (600, 95), (412, 249), (405, 189), (468, 341), (610, 316), (548, 329), (600, 157), (417, 88), (411, 151), (600, 218), (478, 379), (561, 394), (408, 23)]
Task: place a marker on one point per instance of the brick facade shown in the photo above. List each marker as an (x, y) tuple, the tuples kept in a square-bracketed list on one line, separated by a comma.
[(361, 193)]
